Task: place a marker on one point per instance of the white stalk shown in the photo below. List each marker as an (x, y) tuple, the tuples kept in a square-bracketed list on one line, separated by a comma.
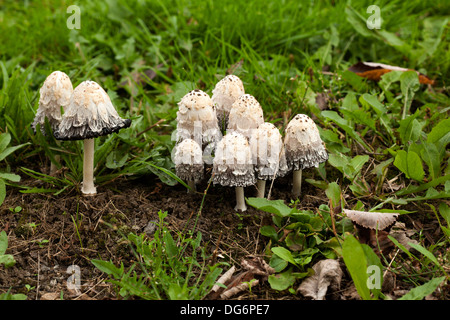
[(191, 184), (297, 183), (261, 187), (240, 200), (88, 186)]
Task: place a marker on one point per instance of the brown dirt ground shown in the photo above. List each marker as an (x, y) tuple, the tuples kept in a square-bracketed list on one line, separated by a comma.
[(42, 264)]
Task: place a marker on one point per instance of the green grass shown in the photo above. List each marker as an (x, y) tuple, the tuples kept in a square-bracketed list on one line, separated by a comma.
[(286, 53)]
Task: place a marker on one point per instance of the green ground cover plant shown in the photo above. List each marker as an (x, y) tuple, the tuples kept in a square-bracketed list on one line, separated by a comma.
[(387, 140)]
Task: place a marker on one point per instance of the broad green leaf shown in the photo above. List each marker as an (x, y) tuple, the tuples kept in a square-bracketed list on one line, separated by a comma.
[(409, 129), (5, 138), (7, 260), (281, 281), (333, 193), (409, 84), (444, 210), (277, 207), (2, 191), (440, 134), (410, 164), (344, 125), (10, 150), (269, 231), (3, 242), (284, 254), (431, 157), (10, 176), (356, 263), (420, 292)]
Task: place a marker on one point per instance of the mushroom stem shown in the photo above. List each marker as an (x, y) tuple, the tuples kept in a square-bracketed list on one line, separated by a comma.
[(261, 187), (88, 168), (297, 183), (191, 184), (240, 200)]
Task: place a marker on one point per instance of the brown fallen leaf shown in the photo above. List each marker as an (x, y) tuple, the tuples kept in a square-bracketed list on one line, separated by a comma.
[(374, 71), (256, 270), (327, 275)]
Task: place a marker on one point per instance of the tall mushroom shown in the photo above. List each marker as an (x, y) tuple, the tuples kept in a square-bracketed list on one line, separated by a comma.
[(268, 155), (224, 94), (90, 114), (54, 94), (189, 162), (196, 119), (246, 115), (304, 148), (232, 166)]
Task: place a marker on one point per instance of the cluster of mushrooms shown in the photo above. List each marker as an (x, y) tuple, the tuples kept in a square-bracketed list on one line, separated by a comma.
[(251, 151), (87, 113)]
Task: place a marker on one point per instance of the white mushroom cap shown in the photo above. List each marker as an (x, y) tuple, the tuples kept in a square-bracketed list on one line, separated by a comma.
[(90, 114), (196, 118), (246, 115), (232, 164), (303, 146), (54, 94), (268, 152), (188, 160), (224, 94)]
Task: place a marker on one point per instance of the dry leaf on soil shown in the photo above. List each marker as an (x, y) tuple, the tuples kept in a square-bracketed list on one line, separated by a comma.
[(374, 71), (327, 275)]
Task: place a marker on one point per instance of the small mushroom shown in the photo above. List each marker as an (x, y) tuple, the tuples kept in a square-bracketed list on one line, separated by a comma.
[(372, 220), (188, 162), (54, 94), (373, 228), (246, 115), (268, 155), (197, 120), (224, 95), (90, 114), (232, 166), (304, 148)]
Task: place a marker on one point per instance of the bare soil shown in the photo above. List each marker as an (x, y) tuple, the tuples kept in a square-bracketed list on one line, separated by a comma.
[(51, 233)]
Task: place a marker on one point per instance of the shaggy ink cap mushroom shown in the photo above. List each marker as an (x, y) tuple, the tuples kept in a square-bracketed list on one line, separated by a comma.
[(188, 160), (233, 167), (90, 114), (303, 147), (196, 119), (268, 154), (246, 115), (224, 94), (54, 94)]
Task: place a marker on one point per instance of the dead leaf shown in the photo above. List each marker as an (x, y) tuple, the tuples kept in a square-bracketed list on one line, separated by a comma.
[(256, 270), (327, 275), (374, 71)]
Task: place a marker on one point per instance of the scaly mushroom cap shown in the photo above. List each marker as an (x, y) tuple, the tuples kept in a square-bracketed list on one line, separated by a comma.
[(196, 118), (54, 94), (224, 94), (246, 115), (232, 164), (268, 152), (90, 114), (188, 160), (303, 146)]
